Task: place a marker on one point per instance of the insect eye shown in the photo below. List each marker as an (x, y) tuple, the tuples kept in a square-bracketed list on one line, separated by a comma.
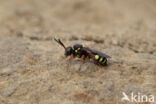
[(68, 51)]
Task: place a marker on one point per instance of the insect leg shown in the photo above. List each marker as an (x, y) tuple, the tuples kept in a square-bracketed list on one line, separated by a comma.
[(82, 61), (69, 60)]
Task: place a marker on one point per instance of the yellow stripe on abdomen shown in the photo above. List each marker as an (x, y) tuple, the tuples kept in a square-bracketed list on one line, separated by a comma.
[(96, 57), (101, 59), (104, 61)]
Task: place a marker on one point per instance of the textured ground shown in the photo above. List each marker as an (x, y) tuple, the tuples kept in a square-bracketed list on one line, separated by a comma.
[(33, 69)]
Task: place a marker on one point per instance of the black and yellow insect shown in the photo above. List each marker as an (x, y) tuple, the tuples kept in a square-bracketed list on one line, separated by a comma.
[(82, 52)]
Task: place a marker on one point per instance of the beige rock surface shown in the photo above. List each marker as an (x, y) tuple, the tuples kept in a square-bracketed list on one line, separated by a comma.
[(33, 71)]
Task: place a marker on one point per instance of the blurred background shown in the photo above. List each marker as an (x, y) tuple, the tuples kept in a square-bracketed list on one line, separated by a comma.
[(74, 17), (105, 19), (32, 70)]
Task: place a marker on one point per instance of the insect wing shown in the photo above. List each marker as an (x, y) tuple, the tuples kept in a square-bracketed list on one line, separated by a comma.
[(94, 52)]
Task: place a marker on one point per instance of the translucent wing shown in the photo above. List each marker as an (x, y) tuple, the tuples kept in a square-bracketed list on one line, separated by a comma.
[(94, 52)]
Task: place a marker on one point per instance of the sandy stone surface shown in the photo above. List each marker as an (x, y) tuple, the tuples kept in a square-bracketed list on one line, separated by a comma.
[(34, 71)]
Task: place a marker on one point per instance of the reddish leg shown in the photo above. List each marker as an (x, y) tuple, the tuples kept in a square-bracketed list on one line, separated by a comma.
[(82, 61), (92, 57), (69, 60)]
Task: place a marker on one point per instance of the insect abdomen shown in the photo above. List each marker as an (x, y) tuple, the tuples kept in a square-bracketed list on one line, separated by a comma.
[(101, 60)]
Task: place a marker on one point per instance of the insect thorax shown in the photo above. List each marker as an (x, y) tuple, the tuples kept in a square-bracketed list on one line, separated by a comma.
[(77, 50)]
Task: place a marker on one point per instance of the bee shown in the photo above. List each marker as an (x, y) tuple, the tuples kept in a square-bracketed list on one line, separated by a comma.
[(82, 52)]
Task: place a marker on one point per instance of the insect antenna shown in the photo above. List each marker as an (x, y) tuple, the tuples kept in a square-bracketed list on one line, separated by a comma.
[(59, 42)]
